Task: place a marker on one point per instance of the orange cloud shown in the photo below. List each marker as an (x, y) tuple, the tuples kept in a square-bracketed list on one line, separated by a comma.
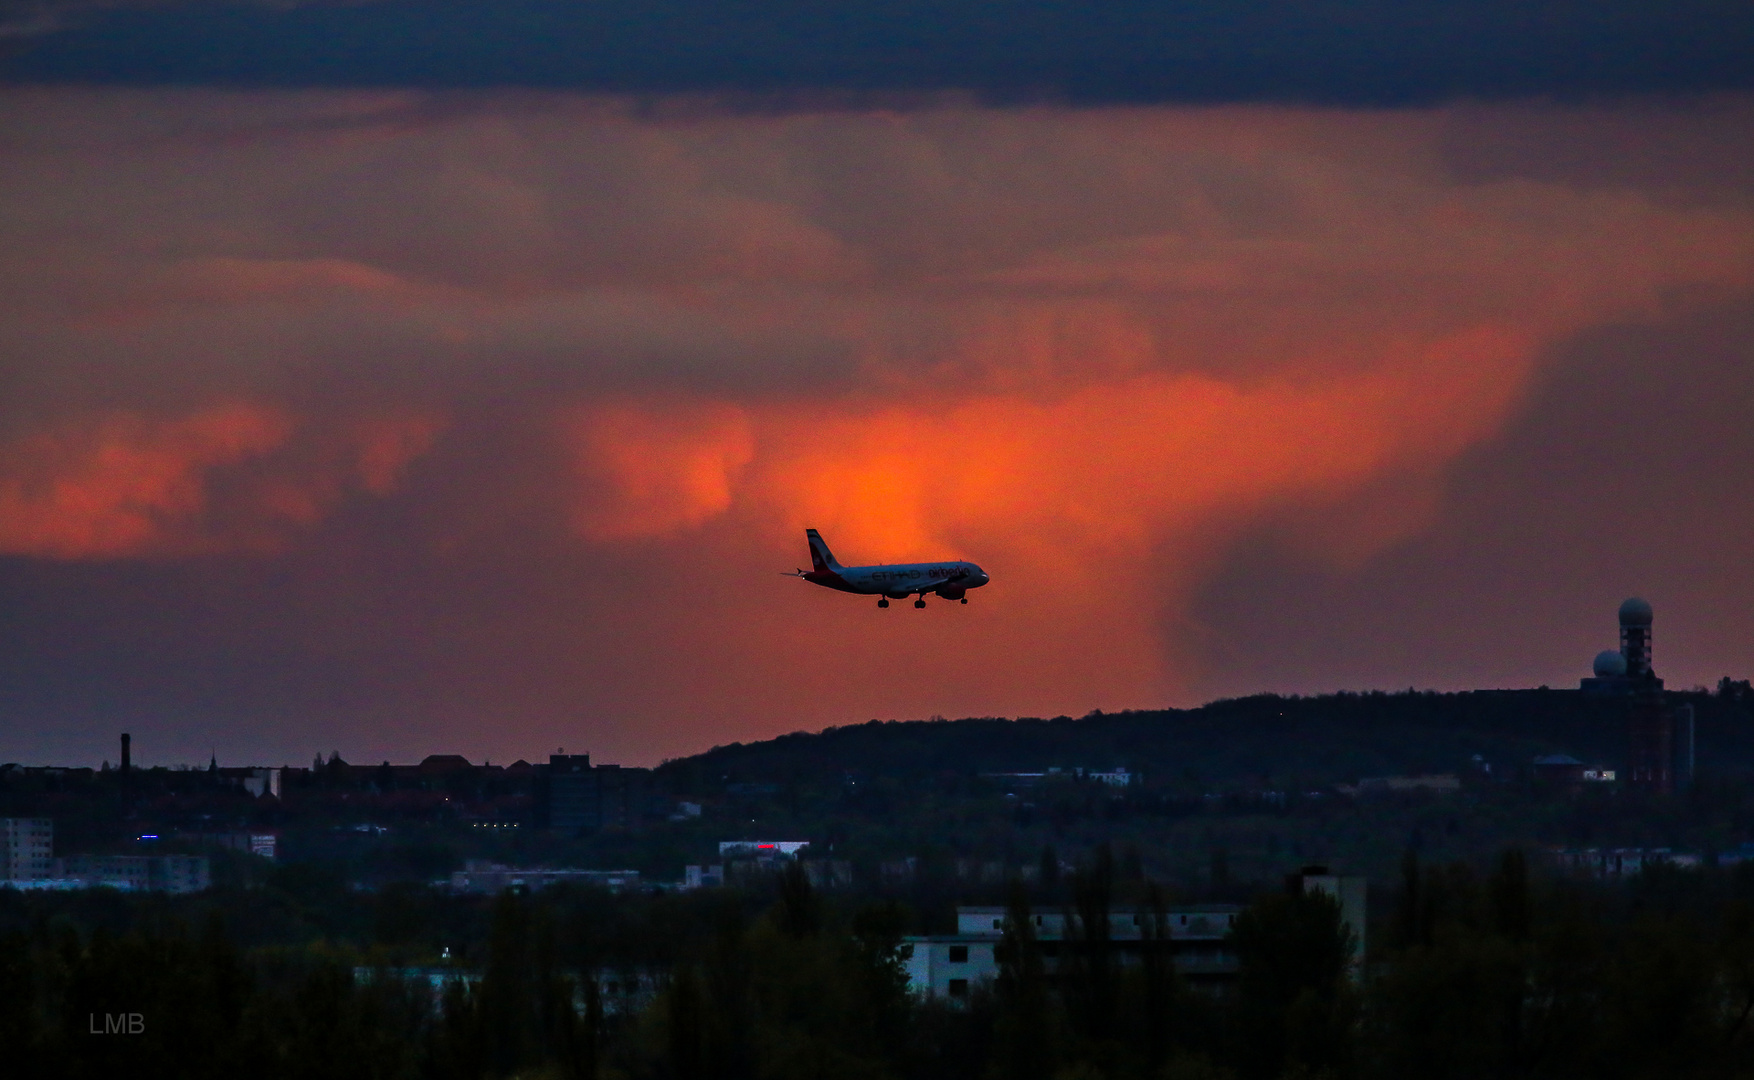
[(125, 485), (1094, 509), (122, 484), (658, 467), (1121, 463), (387, 446)]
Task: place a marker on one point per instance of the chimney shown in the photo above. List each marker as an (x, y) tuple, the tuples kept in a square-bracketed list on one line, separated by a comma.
[(126, 739)]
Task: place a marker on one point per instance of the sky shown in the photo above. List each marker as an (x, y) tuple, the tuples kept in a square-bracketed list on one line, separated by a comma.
[(396, 378)]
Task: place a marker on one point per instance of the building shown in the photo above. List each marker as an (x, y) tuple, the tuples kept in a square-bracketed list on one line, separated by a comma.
[(491, 879), (27, 849), (138, 873), (952, 965), (1351, 893), (703, 877), (1617, 673), (1621, 862), (1559, 769), (181, 874), (257, 781), (761, 849), (576, 797), (1435, 783), (828, 873), (747, 862), (1113, 778), (260, 844), (685, 811), (1660, 750)]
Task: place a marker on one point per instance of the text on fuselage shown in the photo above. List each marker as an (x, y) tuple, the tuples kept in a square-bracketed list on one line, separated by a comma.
[(903, 575)]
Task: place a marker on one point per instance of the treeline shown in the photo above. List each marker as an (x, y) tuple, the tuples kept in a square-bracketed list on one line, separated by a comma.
[(1469, 975), (1222, 745)]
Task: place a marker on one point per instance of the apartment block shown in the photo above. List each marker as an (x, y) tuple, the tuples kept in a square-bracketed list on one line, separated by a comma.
[(27, 849)]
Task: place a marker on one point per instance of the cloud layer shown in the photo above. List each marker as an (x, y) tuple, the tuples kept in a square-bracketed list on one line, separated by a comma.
[(558, 383), (1351, 52)]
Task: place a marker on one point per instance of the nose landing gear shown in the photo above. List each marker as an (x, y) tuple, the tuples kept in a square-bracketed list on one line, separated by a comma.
[(919, 603), (965, 599), (883, 602)]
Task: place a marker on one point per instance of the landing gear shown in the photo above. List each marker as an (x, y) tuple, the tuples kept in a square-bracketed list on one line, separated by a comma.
[(883, 602), (965, 599), (919, 603)]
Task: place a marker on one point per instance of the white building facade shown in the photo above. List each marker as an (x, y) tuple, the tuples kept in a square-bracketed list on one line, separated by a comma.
[(27, 848), (952, 966)]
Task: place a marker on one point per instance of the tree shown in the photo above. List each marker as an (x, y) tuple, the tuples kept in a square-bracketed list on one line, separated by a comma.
[(1294, 1005), (1023, 1036)]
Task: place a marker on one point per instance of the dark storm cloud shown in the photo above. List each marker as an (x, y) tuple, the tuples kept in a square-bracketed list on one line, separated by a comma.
[(1374, 52), (1625, 475)]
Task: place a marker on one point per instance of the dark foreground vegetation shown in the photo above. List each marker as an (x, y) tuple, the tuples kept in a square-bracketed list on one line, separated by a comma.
[(1472, 972)]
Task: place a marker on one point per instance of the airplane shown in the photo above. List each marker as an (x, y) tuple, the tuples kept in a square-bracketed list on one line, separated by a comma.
[(894, 581)]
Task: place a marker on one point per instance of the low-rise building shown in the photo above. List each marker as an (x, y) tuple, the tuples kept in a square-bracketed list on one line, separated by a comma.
[(949, 965), (1113, 777), (493, 878), (138, 873), (261, 844), (822, 873), (1622, 862), (952, 965), (761, 849), (1435, 783), (703, 877)]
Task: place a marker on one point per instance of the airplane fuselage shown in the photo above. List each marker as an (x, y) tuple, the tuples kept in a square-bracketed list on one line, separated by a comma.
[(950, 579), (900, 580)]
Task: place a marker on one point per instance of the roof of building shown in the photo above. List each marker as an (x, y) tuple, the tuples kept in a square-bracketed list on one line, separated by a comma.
[(444, 763)]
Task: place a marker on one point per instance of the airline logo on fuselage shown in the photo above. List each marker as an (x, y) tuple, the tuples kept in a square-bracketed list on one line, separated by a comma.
[(909, 573)]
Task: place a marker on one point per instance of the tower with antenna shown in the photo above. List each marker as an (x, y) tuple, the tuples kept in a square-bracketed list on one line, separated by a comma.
[(1635, 625), (1659, 736)]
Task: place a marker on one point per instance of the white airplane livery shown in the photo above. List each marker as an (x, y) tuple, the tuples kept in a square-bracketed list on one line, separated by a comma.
[(893, 581)]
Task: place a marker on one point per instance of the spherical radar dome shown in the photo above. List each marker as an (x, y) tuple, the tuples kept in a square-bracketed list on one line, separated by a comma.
[(1635, 612), (1610, 664)]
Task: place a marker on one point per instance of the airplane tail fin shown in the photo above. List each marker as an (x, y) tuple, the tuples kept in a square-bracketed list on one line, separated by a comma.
[(820, 557)]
